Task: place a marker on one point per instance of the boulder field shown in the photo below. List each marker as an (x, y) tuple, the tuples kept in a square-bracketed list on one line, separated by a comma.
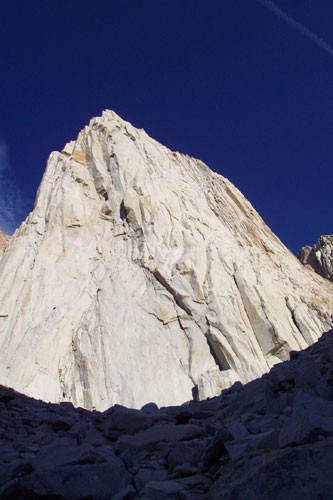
[(270, 438)]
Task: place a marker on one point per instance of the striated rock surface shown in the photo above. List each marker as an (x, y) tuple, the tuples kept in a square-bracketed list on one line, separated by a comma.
[(143, 276), (271, 438), (319, 257)]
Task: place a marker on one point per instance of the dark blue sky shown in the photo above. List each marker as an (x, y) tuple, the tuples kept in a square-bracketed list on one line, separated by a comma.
[(226, 81)]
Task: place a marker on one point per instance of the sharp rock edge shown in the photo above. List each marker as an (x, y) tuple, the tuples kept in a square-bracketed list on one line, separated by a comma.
[(142, 276), (4, 240)]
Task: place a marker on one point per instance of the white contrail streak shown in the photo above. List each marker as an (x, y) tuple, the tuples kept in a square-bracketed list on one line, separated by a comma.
[(297, 26)]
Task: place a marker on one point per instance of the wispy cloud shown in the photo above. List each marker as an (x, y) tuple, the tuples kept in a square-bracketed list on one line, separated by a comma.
[(297, 26), (13, 205)]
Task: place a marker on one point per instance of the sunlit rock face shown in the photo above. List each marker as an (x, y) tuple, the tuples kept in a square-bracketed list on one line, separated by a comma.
[(141, 275), (320, 256)]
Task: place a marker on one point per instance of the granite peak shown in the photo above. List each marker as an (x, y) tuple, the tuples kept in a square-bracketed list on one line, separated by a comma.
[(141, 275)]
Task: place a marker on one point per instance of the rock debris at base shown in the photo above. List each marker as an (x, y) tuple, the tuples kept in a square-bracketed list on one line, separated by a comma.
[(271, 438)]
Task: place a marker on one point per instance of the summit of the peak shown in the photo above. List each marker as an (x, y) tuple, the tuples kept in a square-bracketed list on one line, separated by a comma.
[(110, 120), (108, 115)]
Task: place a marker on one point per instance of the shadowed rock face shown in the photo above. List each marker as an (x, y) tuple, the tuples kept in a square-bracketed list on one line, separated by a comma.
[(271, 438), (141, 275), (319, 257)]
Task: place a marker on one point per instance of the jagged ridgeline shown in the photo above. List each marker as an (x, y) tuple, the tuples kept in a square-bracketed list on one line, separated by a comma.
[(141, 275), (3, 242)]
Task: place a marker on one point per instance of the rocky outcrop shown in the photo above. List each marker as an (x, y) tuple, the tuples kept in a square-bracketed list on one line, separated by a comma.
[(319, 257), (142, 276), (4, 240), (271, 438)]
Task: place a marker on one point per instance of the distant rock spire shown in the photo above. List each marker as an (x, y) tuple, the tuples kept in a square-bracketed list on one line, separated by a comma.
[(320, 256)]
